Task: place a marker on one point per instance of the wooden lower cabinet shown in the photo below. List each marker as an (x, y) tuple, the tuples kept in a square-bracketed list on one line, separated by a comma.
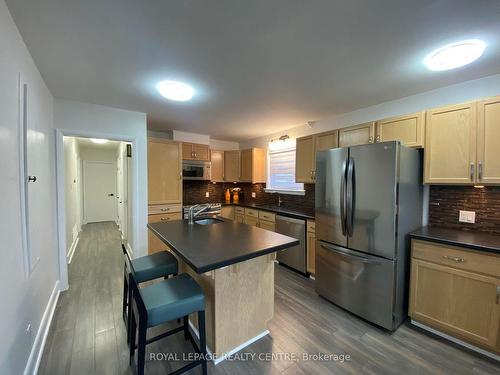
[(250, 220), (311, 247), (239, 218), (455, 301), (227, 212), (154, 243), (268, 225)]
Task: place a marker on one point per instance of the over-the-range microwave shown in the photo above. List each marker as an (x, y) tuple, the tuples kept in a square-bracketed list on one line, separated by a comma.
[(196, 170)]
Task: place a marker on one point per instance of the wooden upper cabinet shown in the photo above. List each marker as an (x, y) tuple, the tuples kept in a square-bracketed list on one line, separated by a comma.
[(217, 167), (326, 141), (164, 171), (488, 141), (253, 165), (408, 129), (232, 166), (305, 162), (450, 145), (357, 135), (195, 151)]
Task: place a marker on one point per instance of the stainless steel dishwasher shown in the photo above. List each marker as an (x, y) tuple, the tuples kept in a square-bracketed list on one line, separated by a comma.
[(294, 257)]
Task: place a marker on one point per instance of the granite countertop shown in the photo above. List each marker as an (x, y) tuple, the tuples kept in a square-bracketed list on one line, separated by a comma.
[(298, 214), (208, 247), (475, 240)]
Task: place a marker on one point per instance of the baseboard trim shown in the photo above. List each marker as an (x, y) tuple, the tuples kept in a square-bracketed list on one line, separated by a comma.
[(216, 359), (456, 341), (41, 336), (129, 250), (72, 249)]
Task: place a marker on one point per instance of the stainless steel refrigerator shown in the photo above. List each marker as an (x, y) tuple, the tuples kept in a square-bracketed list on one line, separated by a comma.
[(368, 198)]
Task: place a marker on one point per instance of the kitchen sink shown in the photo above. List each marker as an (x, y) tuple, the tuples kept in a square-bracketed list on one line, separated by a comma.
[(208, 221)]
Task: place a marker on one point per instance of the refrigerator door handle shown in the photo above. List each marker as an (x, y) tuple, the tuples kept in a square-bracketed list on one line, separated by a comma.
[(343, 199), (349, 253), (350, 196)]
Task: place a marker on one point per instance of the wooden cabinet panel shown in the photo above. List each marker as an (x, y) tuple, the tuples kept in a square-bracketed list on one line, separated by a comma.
[(408, 129), (488, 141), (239, 210), (164, 208), (201, 152), (232, 166), (227, 212), (250, 220), (450, 145), (253, 165), (267, 216), (311, 252), (164, 171), (459, 303), (305, 159), (251, 212), (217, 167), (246, 165), (267, 225), (357, 135), (326, 141), (154, 243), (187, 151), (239, 218)]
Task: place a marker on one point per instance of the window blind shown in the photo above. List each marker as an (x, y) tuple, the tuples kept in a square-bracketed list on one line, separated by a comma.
[(281, 173)]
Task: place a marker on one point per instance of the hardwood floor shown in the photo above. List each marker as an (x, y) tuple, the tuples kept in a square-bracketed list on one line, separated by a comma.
[(87, 335)]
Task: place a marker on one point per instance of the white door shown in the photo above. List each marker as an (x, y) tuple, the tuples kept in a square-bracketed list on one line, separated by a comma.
[(99, 191)]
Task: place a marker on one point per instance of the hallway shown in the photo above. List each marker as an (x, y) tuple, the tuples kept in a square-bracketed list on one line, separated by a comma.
[(87, 335)]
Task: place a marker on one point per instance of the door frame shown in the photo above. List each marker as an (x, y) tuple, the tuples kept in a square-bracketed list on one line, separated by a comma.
[(61, 196), (86, 163)]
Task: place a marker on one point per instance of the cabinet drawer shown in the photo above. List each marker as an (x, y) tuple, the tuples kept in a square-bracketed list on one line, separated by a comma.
[(239, 218), (268, 225), (251, 220), (456, 257), (269, 216), (311, 226), (164, 208), (164, 217), (251, 212), (239, 210)]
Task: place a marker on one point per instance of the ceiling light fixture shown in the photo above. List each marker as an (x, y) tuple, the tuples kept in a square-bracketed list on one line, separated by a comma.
[(99, 141), (174, 90), (455, 55)]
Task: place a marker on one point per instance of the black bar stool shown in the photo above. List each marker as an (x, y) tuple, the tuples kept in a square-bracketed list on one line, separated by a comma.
[(147, 268), (159, 303)]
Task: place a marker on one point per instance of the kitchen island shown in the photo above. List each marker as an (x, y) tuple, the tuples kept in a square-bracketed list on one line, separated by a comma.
[(234, 264)]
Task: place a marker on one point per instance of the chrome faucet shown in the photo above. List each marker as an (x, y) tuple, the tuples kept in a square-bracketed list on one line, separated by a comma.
[(279, 200), (192, 214)]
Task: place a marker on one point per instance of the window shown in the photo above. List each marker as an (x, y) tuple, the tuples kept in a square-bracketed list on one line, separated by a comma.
[(281, 168)]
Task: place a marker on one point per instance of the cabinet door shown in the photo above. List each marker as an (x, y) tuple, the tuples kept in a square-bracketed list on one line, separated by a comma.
[(246, 166), (217, 159), (459, 303), (164, 171), (239, 218), (450, 145), (154, 243), (357, 135), (201, 152), (311, 253), (250, 220), (304, 159), (187, 151), (408, 129), (488, 141), (232, 166), (268, 225), (326, 141), (227, 212)]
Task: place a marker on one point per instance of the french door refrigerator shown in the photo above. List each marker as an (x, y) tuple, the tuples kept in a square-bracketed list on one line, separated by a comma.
[(368, 198)]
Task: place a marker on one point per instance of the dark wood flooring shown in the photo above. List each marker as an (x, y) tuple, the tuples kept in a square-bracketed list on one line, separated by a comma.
[(87, 335)]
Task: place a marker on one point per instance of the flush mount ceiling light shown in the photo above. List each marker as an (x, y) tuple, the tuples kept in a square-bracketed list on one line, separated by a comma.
[(174, 90), (99, 141), (455, 55)]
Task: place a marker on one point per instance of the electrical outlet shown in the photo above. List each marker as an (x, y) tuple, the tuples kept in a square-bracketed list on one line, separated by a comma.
[(253, 194), (207, 194), (467, 217)]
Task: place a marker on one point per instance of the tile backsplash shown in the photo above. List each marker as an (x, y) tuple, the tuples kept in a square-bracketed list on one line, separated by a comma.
[(445, 202), (194, 192)]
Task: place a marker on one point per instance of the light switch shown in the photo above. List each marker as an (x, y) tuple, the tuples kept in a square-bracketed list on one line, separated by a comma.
[(253, 194), (467, 217), (207, 194)]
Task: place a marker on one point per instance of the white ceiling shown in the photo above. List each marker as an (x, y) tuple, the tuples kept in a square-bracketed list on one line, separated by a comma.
[(87, 143), (259, 66)]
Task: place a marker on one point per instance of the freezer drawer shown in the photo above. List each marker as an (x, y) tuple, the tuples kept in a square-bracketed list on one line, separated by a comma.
[(360, 283)]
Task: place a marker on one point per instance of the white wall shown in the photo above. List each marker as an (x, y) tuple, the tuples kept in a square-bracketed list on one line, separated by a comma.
[(454, 94), (223, 145), (24, 296), (72, 190), (190, 137), (90, 120)]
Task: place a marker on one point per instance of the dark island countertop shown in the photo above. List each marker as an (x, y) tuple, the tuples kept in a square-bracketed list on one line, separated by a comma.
[(475, 240), (283, 210), (208, 247)]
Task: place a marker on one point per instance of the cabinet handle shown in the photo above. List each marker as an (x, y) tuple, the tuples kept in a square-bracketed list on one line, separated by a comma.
[(165, 209), (377, 140), (455, 259), (498, 294), (31, 178), (164, 218), (472, 171), (370, 140), (480, 170)]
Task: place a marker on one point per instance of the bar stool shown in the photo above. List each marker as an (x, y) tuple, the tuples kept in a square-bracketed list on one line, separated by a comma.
[(162, 302), (146, 268)]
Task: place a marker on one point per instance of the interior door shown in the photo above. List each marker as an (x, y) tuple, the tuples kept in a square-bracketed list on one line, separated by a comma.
[(373, 226), (330, 172), (99, 190)]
